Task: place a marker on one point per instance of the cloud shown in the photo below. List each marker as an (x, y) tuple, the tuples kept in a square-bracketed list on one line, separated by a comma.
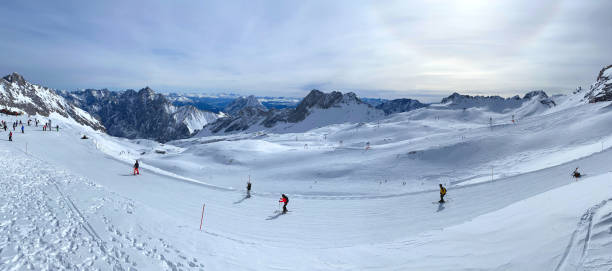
[(406, 48)]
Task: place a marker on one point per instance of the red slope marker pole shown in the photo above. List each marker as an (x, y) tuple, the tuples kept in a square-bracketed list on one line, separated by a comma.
[(202, 219)]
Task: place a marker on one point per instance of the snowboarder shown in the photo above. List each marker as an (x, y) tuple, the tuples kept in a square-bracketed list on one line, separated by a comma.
[(576, 174), (22, 129), (10, 136), (442, 193), (248, 189), (285, 200), (136, 168)]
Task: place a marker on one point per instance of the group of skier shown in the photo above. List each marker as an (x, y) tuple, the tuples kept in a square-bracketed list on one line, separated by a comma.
[(18, 123), (284, 199)]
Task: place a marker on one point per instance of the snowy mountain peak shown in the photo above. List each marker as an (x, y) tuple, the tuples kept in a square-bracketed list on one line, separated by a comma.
[(244, 102), (315, 110), (15, 78), (322, 100), (601, 90), (536, 93)]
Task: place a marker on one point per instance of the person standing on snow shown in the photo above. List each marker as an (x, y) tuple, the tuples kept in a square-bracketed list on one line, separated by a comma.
[(442, 193), (57, 127), (285, 200), (22, 129), (10, 136), (248, 189), (136, 172)]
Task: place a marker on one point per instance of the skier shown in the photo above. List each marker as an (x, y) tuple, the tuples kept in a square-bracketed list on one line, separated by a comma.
[(576, 174), (284, 199), (22, 129), (248, 189), (10, 136), (136, 172), (57, 128), (442, 193)]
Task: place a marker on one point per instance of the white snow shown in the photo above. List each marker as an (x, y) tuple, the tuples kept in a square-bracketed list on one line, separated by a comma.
[(74, 204)]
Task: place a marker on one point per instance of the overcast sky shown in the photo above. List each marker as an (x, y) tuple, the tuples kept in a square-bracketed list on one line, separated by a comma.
[(419, 49)]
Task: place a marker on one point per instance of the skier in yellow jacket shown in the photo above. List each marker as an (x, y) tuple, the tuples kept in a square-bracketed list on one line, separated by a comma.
[(442, 193)]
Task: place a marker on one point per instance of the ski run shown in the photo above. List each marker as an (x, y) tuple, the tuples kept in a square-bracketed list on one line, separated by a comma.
[(360, 195)]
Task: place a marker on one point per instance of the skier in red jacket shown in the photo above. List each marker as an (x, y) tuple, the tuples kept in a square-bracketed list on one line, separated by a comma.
[(284, 199)]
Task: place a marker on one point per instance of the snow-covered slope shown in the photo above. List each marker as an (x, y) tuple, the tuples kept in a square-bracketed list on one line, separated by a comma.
[(77, 205), (17, 94), (363, 196)]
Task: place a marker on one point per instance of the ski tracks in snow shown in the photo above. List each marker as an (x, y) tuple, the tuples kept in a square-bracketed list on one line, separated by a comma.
[(43, 228), (590, 245)]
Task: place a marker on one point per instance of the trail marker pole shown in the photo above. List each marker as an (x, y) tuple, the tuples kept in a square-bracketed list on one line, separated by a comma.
[(202, 219)]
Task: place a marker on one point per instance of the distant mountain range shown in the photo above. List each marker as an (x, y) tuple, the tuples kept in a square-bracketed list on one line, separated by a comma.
[(146, 114), (218, 103), (315, 110)]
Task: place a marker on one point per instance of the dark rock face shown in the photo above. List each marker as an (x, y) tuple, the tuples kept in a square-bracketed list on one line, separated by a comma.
[(399, 105), (601, 90), (17, 93), (132, 114)]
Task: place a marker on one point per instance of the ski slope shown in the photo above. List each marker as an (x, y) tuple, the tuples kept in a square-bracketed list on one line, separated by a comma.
[(74, 204)]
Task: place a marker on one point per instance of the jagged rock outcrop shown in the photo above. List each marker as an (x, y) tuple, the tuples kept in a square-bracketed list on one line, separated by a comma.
[(601, 90), (400, 105), (495, 103), (17, 94), (140, 114)]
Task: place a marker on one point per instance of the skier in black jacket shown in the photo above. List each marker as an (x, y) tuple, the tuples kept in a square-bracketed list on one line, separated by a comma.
[(136, 172)]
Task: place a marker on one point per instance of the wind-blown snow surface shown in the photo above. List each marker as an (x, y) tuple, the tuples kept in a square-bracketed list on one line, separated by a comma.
[(71, 203)]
